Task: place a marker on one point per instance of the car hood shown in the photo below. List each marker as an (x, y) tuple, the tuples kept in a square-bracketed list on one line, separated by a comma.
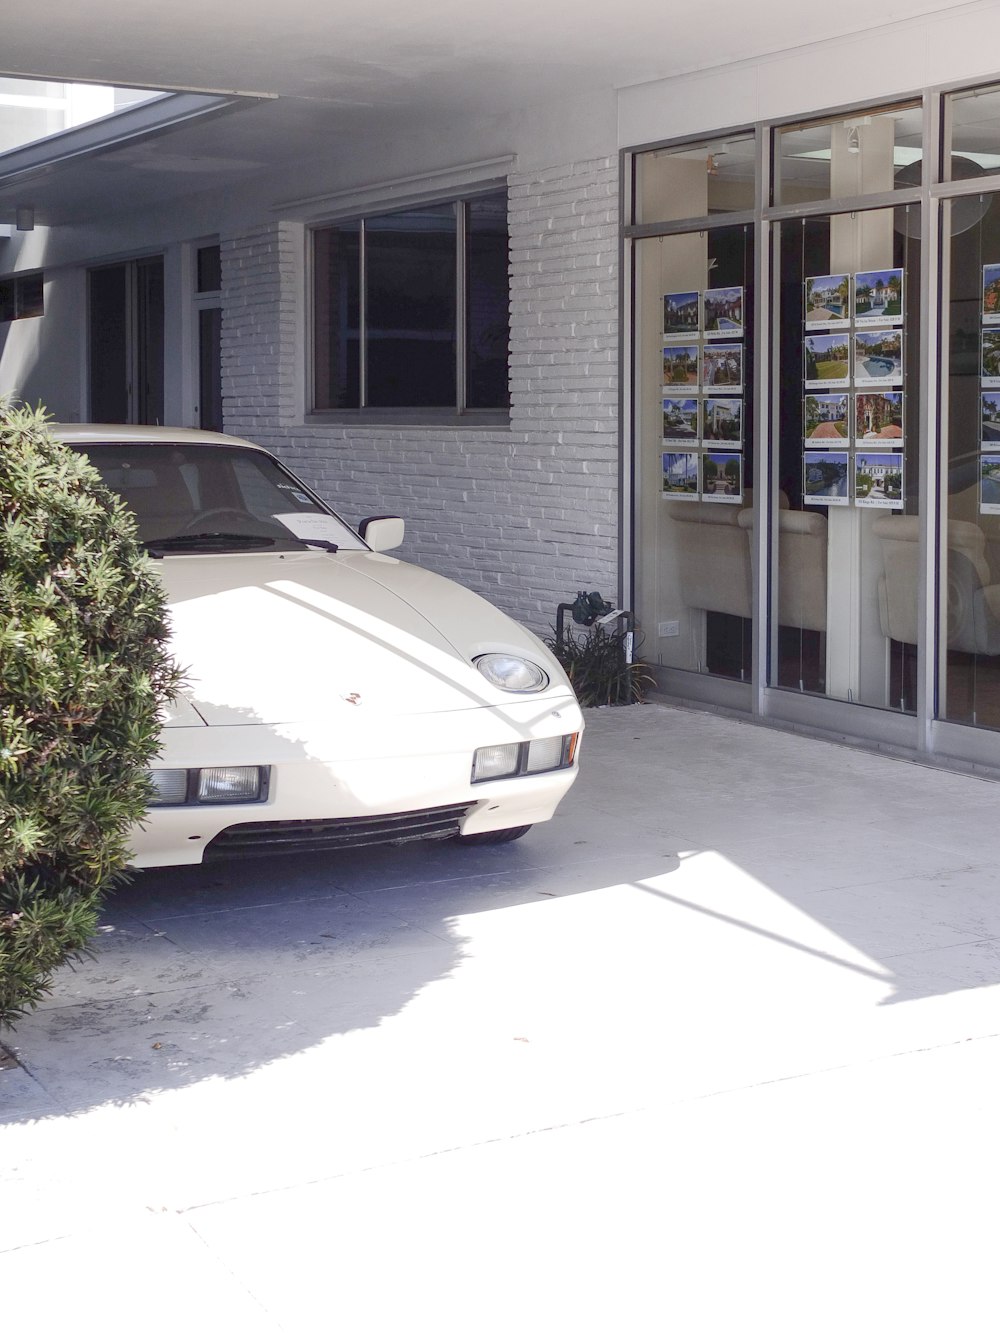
[(281, 638)]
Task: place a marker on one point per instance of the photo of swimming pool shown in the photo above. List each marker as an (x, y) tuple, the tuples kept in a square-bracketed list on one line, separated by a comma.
[(878, 357)]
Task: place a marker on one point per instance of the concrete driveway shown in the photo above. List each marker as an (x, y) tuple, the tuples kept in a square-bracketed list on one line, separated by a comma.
[(715, 1050)]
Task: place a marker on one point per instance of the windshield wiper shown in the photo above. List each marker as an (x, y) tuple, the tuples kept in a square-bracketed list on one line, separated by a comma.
[(186, 539), (321, 542)]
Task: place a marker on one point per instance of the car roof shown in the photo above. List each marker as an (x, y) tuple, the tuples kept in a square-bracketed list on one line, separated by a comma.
[(85, 432)]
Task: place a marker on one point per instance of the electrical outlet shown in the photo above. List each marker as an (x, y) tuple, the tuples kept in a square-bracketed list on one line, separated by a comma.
[(668, 629)]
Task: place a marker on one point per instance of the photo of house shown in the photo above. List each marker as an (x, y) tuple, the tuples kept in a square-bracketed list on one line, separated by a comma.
[(722, 477), (680, 476), (827, 360), (723, 421), (825, 416), (828, 300), (991, 293), (991, 359), (825, 478), (879, 416), (878, 357), (991, 420), (878, 296), (680, 364), (724, 311), (722, 366), (989, 484), (878, 480), (681, 313), (680, 419)]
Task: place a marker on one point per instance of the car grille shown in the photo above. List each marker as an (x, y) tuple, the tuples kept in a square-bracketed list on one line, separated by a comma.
[(298, 835)]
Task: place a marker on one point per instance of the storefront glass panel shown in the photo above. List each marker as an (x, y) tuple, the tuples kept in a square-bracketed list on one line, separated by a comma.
[(969, 684), (694, 449), (862, 153), (695, 180), (972, 135), (846, 580)]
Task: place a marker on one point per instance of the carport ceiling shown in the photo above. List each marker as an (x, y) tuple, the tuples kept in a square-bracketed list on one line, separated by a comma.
[(438, 55), (385, 67)]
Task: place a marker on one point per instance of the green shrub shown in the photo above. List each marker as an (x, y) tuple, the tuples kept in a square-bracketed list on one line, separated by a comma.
[(84, 672), (596, 666)]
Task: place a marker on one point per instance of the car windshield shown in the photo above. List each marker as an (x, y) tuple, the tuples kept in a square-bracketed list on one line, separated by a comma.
[(199, 497)]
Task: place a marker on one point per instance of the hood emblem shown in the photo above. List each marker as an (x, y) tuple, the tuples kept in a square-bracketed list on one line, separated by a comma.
[(354, 698)]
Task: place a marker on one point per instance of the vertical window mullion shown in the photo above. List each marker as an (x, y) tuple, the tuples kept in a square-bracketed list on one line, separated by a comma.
[(131, 350), (932, 522), (461, 306), (363, 315)]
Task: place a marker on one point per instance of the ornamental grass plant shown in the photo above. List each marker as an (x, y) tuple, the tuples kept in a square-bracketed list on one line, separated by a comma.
[(84, 673), (598, 669)]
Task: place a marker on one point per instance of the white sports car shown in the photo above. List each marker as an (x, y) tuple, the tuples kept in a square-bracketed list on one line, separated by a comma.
[(336, 696)]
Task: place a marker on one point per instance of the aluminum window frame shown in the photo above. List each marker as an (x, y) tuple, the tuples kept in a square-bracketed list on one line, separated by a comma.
[(927, 733), (458, 414)]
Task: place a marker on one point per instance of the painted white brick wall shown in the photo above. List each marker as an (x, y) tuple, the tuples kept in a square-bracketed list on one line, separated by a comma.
[(526, 516)]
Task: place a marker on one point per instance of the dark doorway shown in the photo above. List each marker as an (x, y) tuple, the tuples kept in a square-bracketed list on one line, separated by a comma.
[(126, 342)]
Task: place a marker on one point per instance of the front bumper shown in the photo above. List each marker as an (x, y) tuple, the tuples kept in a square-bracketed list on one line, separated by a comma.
[(360, 769)]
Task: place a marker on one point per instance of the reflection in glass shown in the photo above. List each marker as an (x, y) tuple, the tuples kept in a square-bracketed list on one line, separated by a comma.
[(845, 587), (972, 138), (694, 449), (970, 633), (487, 301), (410, 286), (694, 181), (337, 316), (863, 153)]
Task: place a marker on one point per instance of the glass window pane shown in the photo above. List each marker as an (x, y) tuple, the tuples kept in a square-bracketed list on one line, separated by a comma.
[(149, 339), (210, 368), (690, 182), (487, 302), (969, 687), (8, 299), (30, 296), (174, 488), (108, 345), (209, 268), (845, 587), (694, 449), (972, 140), (410, 294), (854, 155), (337, 316)]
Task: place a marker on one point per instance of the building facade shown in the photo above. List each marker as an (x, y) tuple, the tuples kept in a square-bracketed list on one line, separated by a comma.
[(751, 356)]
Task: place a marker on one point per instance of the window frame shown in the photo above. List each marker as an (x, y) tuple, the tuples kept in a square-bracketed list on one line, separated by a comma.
[(459, 415), (18, 281)]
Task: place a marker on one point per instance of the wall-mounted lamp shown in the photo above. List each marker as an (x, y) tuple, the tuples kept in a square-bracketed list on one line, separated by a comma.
[(25, 218), (853, 139)]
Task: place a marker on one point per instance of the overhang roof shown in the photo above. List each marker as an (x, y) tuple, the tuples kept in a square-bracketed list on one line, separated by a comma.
[(382, 69)]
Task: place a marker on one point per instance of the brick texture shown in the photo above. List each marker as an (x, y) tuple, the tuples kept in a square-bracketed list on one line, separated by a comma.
[(527, 515)]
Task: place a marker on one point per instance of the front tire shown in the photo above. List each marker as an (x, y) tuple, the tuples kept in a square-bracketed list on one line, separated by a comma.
[(494, 835)]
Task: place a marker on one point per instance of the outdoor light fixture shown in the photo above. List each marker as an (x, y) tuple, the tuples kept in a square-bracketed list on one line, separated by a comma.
[(25, 218)]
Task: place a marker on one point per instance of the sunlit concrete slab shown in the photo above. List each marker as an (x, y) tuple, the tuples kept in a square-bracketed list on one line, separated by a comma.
[(727, 1025)]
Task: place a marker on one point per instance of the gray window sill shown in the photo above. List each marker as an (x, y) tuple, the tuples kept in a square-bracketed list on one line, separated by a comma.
[(429, 418)]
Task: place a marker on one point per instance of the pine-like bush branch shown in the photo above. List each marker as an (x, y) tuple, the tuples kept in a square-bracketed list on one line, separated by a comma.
[(84, 674)]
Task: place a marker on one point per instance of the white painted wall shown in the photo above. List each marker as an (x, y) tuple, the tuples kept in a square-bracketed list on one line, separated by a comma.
[(961, 44)]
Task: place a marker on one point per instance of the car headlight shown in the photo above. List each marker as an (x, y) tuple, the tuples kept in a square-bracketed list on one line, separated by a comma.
[(238, 785), (229, 784), (169, 786), (517, 759), (515, 674)]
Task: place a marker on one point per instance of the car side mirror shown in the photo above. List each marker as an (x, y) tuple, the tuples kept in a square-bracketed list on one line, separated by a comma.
[(383, 533)]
